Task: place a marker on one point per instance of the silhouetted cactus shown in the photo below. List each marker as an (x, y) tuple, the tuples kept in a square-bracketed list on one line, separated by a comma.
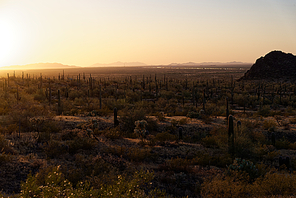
[(273, 138), (227, 110), (116, 123), (204, 100), (180, 133), (284, 161), (59, 103), (230, 136), (17, 97), (238, 125), (7, 79), (49, 94), (143, 83), (100, 96), (287, 163)]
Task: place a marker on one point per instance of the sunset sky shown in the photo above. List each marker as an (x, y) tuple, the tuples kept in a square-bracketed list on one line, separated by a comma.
[(85, 32)]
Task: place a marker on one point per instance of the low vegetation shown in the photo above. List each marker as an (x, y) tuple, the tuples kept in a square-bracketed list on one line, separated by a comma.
[(161, 134)]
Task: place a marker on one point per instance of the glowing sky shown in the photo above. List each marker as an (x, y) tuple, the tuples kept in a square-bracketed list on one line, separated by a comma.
[(84, 32)]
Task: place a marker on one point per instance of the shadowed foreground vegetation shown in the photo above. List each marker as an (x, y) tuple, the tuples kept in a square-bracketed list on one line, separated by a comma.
[(151, 133)]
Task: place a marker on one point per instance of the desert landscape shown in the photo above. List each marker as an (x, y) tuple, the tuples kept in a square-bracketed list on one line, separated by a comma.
[(148, 132), (147, 99)]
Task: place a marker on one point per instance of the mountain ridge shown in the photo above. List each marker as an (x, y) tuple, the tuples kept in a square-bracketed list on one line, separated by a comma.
[(275, 65)]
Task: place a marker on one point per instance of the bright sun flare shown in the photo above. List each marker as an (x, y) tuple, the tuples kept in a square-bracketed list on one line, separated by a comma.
[(9, 43)]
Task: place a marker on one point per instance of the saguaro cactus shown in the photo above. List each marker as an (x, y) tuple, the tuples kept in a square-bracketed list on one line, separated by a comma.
[(284, 161), (204, 100), (227, 110), (18, 98), (238, 125), (100, 96), (230, 136), (116, 123), (273, 138), (59, 103), (180, 133)]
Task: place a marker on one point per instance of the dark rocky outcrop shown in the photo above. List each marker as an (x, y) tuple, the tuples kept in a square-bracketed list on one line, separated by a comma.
[(275, 65)]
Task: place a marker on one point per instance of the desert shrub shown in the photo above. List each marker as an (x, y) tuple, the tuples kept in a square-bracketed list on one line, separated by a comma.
[(120, 104), (225, 186), (286, 125), (85, 167), (128, 117), (112, 133), (139, 185), (5, 146), (292, 120), (49, 125), (220, 137), (192, 114), (264, 111), (131, 153), (165, 136), (75, 94), (258, 137), (269, 124), (237, 185), (282, 143), (79, 102), (243, 146), (292, 146), (30, 90), (219, 160), (40, 96), (289, 111), (177, 165), (274, 184), (69, 134), (210, 142), (183, 121), (54, 185), (160, 116), (4, 158), (244, 166), (167, 94), (78, 143), (251, 124), (54, 149), (140, 129)]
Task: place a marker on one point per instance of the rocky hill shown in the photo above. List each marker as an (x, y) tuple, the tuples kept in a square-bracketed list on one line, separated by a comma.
[(275, 65)]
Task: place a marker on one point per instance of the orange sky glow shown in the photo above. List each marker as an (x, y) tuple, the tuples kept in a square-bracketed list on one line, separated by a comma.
[(154, 32)]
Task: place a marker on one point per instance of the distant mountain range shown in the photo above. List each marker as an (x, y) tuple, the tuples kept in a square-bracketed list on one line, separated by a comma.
[(37, 66), (119, 64), (115, 64), (207, 64)]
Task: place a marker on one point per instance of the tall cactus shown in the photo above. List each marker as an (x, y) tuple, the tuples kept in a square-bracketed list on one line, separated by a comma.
[(7, 79), (143, 85), (59, 103), (227, 110), (49, 94), (230, 136), (180, 133), (273, 138), (238, 125), (204, 100), (116, 123), (18, 98), (100, 96)]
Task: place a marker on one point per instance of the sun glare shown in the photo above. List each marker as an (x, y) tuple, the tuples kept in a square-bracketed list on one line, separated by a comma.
[(9, 43)]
